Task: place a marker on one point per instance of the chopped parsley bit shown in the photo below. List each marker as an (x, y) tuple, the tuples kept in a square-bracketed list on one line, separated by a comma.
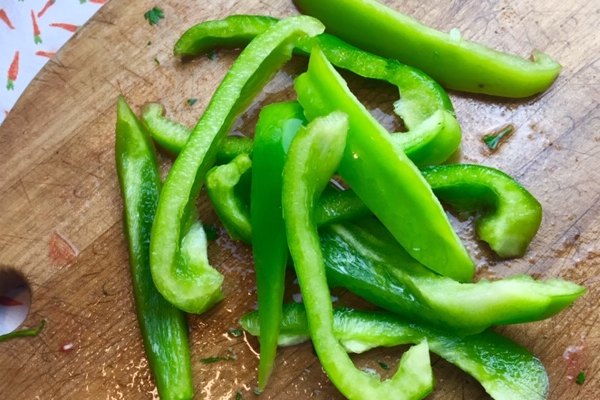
[(234, 332), (156, 61), (211, 360), (191, 101), (495, 139), (149, 43), (24, 332), (211, 231), (212, 54), (154, 15), (383, 365), (580, 378), (238, 395)]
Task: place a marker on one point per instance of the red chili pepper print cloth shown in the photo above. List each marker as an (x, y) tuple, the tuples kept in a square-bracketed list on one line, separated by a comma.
[(31, 31)]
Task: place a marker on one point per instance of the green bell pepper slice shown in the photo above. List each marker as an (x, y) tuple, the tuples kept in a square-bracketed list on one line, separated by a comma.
[(454, 62), (221, 182), (385, 179), (364, 258), (433, 132), (177, 249), (312, 158), (277, 125), (163, 327), (506, 370), (171, 135)]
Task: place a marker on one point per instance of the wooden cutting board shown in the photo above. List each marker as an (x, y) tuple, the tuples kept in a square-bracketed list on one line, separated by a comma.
[(61, 222)]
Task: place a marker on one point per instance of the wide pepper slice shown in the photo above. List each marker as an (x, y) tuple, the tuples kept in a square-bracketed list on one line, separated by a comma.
[(506, 370), (454, 62), (312, 158), (364, 258), (181, 272), (163, 326), (385, 179), (433, 132)]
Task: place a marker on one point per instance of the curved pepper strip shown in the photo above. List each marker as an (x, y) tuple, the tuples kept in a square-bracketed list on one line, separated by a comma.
[(455, 63), (183, 276), (312, 158), (510, 216), (171, 135), (232, 211), (384, 179), (164, 327), (277, 125), (506, 370), (433, 132), (365, 259)]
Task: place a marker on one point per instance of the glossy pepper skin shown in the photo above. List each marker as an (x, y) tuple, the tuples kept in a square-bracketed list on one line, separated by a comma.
[(364, 258), (181, 275), (433, 132), (277, 125), (381, 176), (454, 62), (312, 158), (506, 370), (163, 327)]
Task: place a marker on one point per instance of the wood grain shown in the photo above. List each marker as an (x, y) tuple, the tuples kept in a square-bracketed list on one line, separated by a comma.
[(58, 182)]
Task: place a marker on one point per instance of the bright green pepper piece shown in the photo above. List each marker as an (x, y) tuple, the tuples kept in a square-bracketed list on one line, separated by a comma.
[(179, 268), (277, 125), (511, 215), (434, 134), (365, 259), (312, 158), (172, 135), (220, 188), (506, 370), (455, 63), (164, 327), (383, 177)]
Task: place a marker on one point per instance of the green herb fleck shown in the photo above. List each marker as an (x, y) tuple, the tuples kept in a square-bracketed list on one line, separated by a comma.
[(154, 15), (212, 54), (212, 360), (24, 332), (580, 378), (383, 365), (156, 61), (149, 43), (495, 139), (234, 332), (230, 356), (211, 232), (238, 395), (191, 101)]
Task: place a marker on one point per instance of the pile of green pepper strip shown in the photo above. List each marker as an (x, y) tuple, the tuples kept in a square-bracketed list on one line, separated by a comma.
[(505, 370), (426, 112), (313, 157), (185, 280)]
